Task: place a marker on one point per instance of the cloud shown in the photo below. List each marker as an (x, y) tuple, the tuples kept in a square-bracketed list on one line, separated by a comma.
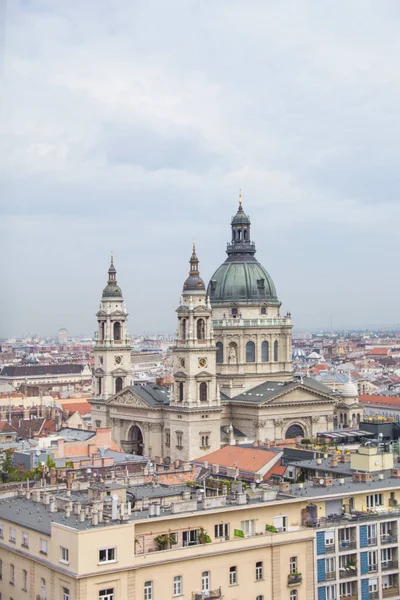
[(131, 126)]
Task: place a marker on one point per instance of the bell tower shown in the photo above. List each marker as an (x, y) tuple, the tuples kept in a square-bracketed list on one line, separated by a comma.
[(112, 351), (195, 403)]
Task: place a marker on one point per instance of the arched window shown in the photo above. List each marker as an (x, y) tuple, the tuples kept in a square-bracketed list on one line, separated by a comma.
[(203, 392), (99, 386), (102, 331), (265, 351), (220, 352), (200, 329), (183, 330), (250, 352), (205, 581), (245, 234), (181, 391), (118, 384), (117, 331), (294, 431), (276, 350), (293, 595)]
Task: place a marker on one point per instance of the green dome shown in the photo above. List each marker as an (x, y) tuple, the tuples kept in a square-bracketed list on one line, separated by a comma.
[(112, 291), (241, 282)]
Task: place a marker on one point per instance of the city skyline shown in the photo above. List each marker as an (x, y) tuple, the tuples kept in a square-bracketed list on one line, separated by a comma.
[(129, 131)]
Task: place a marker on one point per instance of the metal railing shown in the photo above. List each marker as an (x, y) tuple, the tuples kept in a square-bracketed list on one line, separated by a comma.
[(330, 549), (389, 564), (345, 573), (371, 541), (347, 545), (387, 538), (353, 518), (372, 568), (210, 595), (329, 575), (294, 579)]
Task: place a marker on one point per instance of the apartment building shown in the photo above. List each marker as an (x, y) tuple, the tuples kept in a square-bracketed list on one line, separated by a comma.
[(326, 539)]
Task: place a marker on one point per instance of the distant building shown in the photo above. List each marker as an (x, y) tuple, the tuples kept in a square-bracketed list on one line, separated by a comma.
[(62, 337)]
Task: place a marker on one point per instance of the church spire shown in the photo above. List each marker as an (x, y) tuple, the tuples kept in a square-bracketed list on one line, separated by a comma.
[(112, 272), (240, 224), (194, 282)]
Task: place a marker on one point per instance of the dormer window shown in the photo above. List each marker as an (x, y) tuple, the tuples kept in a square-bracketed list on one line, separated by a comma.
[(263, 310), (234, 312)]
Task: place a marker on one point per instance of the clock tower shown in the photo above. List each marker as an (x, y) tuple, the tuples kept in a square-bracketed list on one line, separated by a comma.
[(112, 351), (195, 403)]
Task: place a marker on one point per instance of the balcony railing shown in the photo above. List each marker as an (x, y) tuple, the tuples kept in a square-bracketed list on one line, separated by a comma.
[(329, 548), (371, 541), (350, 572), (389, 564), (372, 568), (390, 592), (345, 597), (387, 538), (210, 595), (294, 578), (347, 545), (329, 575), (373, 595), (353, 517)]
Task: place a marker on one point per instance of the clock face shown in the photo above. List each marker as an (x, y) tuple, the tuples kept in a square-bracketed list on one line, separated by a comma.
[(118, 360), (182, 362), (202, 363)]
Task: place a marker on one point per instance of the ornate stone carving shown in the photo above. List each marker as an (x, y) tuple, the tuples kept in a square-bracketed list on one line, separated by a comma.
[(315, 419), (329, 418), (278, 422), (259, 424), (127, 398)]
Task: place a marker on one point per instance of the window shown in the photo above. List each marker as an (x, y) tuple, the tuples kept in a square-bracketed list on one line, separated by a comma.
[(331, 592), (24, 580), (221, 530), (329, 538), (118, 384), (260, 598), (42, 589), (178, 585), (263, 310), (248, 527), (99, 386), (205, 581), (204, 441), (12, 535), (265, 352), (345, 589), (1, 530), (233, 576), (371, 534), (65, 594), (374, 500), (107, 555), (293, 565), (372, 561), (148, 590), (330, 568), (12, 574), (98, 424), (190, 537), (250, 352), (203, 392), (234, 312), (200, 329), (167, 439), (183, 329), (25, 539), (386, 557), (220, 352), (107, 594), (64, 552), (293, 595), (117, 331), (181, 391), (259, 571), (43, 546), (275, 350), (280, 523), (179, 440)]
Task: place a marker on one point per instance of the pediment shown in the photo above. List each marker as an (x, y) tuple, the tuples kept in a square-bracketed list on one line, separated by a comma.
[(127, 398), (204, 375), (101, 313), (99, 371), (117, 313), (119, 371), (180, 375), (299, 394)]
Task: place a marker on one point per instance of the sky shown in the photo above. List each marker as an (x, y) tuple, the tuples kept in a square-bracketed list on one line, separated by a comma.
[(130, 126)]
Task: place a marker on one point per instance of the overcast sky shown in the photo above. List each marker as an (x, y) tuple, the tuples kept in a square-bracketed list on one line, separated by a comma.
[(130, 125)]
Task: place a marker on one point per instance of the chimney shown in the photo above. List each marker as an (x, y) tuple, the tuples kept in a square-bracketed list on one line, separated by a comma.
[(95, 517), (114, 507), (68, 510), (60, 448), (82, 516), (46, 498), (334, 461), (36, 495)]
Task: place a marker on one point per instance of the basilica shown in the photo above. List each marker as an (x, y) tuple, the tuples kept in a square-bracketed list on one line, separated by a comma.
[(232, 367)]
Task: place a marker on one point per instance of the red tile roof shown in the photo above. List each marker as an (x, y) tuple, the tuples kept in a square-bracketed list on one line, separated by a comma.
[(378, 352), (377, 400), (245, 459)]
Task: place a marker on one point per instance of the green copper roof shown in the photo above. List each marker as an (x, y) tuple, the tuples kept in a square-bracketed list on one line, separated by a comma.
[(243, 282), (112, 291)]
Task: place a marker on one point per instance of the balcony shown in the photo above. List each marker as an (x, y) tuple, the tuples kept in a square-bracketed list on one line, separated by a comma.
[(345, 597), (294, 578), (346, 573), (371, 541), (347, 545), (390, 592), (329, 575), (210, 595), (329, 548), (373, 595), (389, 564), (387, 538), (372, 568), (354, 517)]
